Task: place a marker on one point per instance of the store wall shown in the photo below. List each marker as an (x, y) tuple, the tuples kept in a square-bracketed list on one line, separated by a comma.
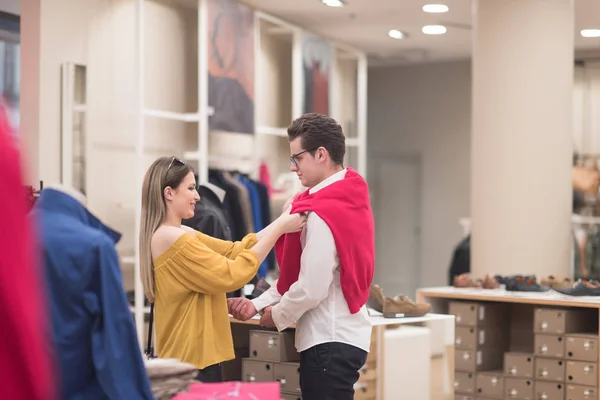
[(425, 110), (100, 35)]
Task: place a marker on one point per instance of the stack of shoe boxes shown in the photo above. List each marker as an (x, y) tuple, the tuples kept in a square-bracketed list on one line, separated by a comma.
[(551, 354), (481, 337), (273, 357), (566, 359)]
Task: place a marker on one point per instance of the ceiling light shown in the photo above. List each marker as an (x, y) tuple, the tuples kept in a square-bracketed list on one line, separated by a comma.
[(434, 29), (396, 34), (333, 3), (590, 33), (435, 8)]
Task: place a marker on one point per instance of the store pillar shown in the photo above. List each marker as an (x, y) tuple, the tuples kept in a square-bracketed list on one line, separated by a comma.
[(522, 126)]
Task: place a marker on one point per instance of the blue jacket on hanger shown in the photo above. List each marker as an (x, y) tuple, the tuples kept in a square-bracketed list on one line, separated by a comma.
[(95, 340)]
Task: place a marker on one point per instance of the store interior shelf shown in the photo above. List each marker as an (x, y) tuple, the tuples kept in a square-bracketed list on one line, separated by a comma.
[(183, 117), (500, 295), (268, 130)]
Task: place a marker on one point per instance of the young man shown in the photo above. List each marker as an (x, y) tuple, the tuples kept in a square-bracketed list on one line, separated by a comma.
[(327, 270)]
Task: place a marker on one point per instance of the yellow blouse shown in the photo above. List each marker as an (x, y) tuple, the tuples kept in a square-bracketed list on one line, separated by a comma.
[(191, 278)]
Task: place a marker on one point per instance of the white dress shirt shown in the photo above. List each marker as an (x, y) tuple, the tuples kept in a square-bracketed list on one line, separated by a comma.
[(315, 302)]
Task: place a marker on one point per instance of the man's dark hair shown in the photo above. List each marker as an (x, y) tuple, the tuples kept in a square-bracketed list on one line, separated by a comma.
[(318, 130)]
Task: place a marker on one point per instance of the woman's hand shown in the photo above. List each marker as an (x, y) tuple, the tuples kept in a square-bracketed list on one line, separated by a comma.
[(289, 223)]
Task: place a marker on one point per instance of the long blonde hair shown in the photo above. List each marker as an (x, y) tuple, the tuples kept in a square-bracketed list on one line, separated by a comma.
[(164, 172)]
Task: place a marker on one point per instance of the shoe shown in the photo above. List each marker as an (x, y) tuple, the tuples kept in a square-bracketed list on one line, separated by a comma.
[(402, 306), (489, 282), (465, 281), (554, 283), (582, 288), (527, 283), (395, 307), (376, 298)]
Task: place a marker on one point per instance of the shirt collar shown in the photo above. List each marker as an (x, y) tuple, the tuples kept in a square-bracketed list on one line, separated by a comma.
[(338, 176)]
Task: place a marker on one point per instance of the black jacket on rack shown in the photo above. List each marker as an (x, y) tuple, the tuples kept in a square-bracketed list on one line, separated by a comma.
[(231, 204)]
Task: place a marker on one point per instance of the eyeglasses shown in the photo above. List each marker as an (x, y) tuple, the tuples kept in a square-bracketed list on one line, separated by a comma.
[(294, 156), (175, 159)]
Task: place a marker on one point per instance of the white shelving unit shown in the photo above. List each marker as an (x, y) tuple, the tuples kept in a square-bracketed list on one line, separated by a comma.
[(278, 99)]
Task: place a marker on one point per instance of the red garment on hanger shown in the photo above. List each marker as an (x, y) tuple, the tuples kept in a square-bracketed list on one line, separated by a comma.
[(265, 177), (25, 365), (346, 208)]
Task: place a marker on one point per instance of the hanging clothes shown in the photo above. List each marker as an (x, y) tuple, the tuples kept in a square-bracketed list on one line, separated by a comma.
[(26, 364), (96, 343), (231, 203), (210, 216), (244, 199), (256, 214)]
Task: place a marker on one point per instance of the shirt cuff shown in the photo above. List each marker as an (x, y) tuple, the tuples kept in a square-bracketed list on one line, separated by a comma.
[(261, 303), (279, 319)]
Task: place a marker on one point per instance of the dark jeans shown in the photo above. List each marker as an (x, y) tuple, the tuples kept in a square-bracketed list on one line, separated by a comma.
[(329, 371), (210, 374)]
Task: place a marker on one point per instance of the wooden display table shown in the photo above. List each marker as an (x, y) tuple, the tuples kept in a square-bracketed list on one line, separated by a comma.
[(377, 353), (578, 316)]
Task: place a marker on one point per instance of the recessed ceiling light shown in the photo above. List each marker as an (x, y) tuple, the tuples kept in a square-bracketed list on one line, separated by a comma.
[(435, 8), (590, 33), (434, 29), (333, 3), (396, 34)]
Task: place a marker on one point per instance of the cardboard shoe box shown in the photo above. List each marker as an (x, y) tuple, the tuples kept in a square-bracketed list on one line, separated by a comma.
[(257, 371), (581, 347), (550, 369), (464, 382), (478, 314), (478, 360), (549, 346), (576, 392), (472, 338), (288, 376), (518, 389), (518, 365), (561, 321), (490, 385), (549, 391), (273, 346), (582, 373)]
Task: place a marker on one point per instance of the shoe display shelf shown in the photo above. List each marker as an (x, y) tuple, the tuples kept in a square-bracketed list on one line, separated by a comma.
[(371, 385), (521, 345)]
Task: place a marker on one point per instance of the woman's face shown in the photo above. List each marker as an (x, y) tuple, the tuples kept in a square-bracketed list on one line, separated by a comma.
[(182, 200)]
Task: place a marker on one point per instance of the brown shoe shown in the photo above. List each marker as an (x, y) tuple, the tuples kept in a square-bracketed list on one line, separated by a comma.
[(465, 281), (376, 298), (402, 306), (555, 283), (489, 282)]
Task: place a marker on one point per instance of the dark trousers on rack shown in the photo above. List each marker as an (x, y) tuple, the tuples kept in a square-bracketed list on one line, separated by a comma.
[(329, 371), (210, 374)]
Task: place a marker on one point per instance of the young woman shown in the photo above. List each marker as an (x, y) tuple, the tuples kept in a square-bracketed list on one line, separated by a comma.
[(186, 273)]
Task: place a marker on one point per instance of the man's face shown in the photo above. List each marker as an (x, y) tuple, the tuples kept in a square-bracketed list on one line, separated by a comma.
[(308, 167)]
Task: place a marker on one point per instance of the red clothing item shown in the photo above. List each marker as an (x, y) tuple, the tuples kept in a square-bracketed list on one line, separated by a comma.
[(25, 366), (346, 208)]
